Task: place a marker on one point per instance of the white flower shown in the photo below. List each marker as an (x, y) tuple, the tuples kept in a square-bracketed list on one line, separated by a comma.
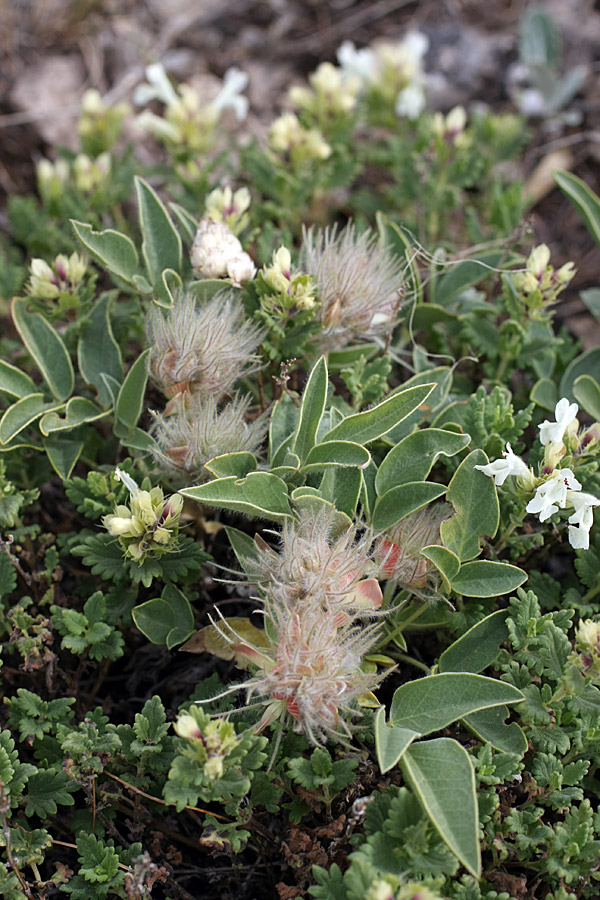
[(410, 102), (230, 95), (127, 481), (241, 268), (564, 413), (510, 464), (552, 494), (158, 87), (214, 247), (579, 537), (361, 63)]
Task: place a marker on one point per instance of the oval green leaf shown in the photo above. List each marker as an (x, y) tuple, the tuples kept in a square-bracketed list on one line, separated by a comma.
[(430, 703), (47, 349), (477, 649), (238, 464), (311, 410), (336, 453), (485, 578), (113, 250), (98, 353), (413, 458), (23, 413), (15, 382), (441, 774), (391, 742), (131, 397), (260, 495), (161, 245), (474, 498), (399, 502), (77, 411), (367, 426)]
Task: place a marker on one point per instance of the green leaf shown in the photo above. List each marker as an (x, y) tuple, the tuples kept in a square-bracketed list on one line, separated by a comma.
[(336, 453), (113, 250), (586, 391), (367, 426), (165, 620), (130, 401), (459, 277), (391, 741), (484, 578), (245, 550), (98, 353), (45, 789), (446, 562), (238, 464), (489, 725), (15, 382), (259, 495), (63, 455), (473, 496), (591, 299), (77, 411), (282, 426), (311, 410), (188, 223), (544, 393), (442, 376), (539, 39), (587, 363), (341, 487), (23, 413), (430, 703), (405, 248), (583, 199), (401, 501), (441, 774), (161, 245), (413, 458), (477, 649), (47, 349)]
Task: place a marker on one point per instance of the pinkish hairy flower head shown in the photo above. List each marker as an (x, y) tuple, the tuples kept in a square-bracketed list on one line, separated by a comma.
[(319, 562), (399, 549), (358, 281), (311, 668), (200, 349)]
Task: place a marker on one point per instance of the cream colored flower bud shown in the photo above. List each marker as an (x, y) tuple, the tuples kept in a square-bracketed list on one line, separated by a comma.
[(241, 269), (187, 727), (213, 767), (117, 525), (538, 260), (214, 246)]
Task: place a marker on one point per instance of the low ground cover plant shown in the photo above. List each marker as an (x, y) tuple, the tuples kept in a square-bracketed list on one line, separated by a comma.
[(299, 577)]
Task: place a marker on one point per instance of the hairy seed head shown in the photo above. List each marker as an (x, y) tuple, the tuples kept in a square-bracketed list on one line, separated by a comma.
[(399, 549), (201, 349), (358, 280), (200, 430)]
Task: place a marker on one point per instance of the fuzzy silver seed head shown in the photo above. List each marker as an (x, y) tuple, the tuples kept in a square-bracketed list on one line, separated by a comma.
[(199, 430), (201, 349), (359, 283)]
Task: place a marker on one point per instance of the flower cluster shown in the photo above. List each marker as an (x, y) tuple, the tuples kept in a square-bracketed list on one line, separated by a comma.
[(100, 125), (587, 645), (63, 277), (359, 283), (539, 285), (392, 74), (223, 205), (316, 592), (87, 173), (188, 124), (331, 97), (218, 253), (149, 526), (555, 488), (211, 742), (292, 142), (284, 290)]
